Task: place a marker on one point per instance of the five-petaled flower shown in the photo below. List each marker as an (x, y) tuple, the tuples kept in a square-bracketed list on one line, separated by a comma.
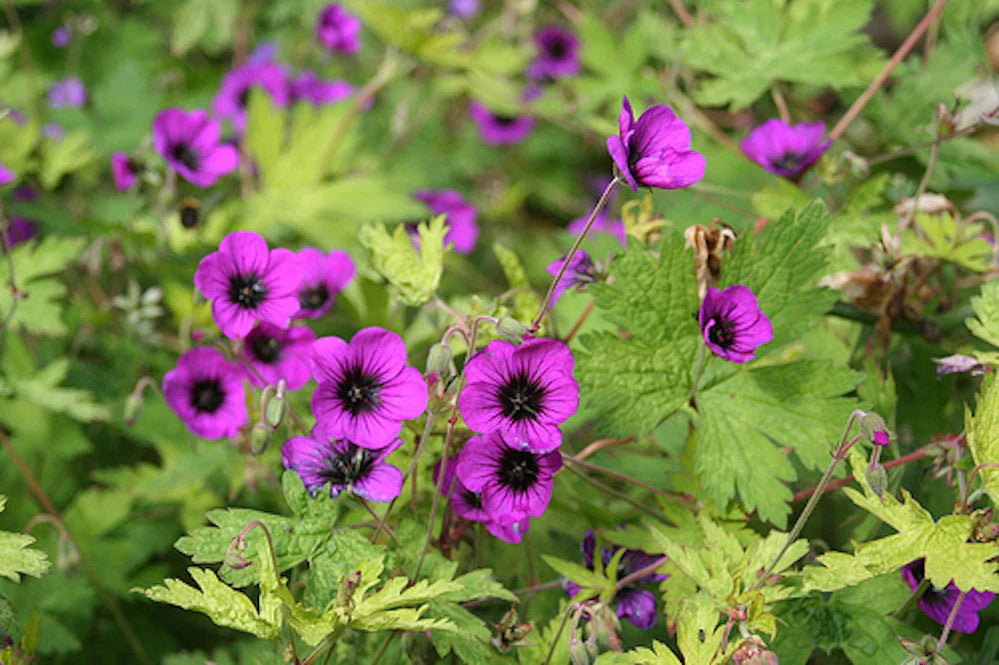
[(344, 465), (246, 282), (579, 272), (207, 392), (463, 230), (938, 604), (500, 128), (366, 389), (125, 170), (558, 53), (189, 142), (275, 354), (655, 150), (732, 323), (323, 276), (467, 504), (234, 93), (785, 150), (524, 392), (307, 86), (338, 30)]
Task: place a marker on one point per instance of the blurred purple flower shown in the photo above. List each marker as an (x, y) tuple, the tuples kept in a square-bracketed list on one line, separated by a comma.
[(463, 230), (247, 282), (344, 465), (558, 53), (263, 52), (19, 230), (323, 276), (655, 150), (307, 86), (61, 36), (189, 142), (337, 30), (958, 363), (207, 392), (68, 93), (732, 324), (53, 131), (497, 129), (784, 150), (579, 273), (601, 224), (234, 93), (6, 175), (276, 354), (124, 169), (937, 604), (464, 8)]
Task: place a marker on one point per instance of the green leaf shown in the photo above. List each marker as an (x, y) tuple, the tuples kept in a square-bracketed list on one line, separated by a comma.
[(592, 584), (42, 388), (983, 436), (698, 634), (659, 654), (415, 274), (16, 558), (986, 306), (39, 308), (66, 155), (208, 23), (942, 238), (470, 639), (526, 300)]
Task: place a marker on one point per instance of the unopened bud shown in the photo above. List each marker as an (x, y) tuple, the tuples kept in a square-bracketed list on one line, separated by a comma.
[(439, 360), (875, 429), (511, 329), (260, 435), (877, 478), (133, 408), (276, 407), (580, 653)]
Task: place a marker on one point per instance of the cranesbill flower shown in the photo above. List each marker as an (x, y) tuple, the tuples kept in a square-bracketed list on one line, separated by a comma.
[(558, 53), (463, 8), (655, 150), (732, 323), (634, 603), (337, 30), (500, 129), (6, 175), (247, 282), (323, 276), (580, 272), (463, 230), (189, 142), (937, 604), (234, 93), (344, 465), (19, 230), (307, 86), (513, 482), (207, 392), (524, 392), (601, 224), (467, 504), (61, 36), (124, 169), (54, 131), (277, 354), (785, 150), (366, 389), (511, 533), (68, 93), (959, 363)]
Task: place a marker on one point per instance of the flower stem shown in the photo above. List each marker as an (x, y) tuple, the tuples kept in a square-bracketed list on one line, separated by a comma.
[(911, 600), (921, 189), (569, 459), (558, 633), (919, 454), (950, 621), (572, 252), (701, 362), (640, 573), (607, 489)]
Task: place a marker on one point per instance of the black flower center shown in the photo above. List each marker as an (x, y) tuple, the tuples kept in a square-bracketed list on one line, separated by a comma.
[(265, 348), (184, 154), (358, 392), (247, 291), (557, 48), (521, 397), (504, 120), (313, 297), (789, 162), (243, 98), (207, 395), (722, 333), (518, 469), (347, 467), (474, 499)]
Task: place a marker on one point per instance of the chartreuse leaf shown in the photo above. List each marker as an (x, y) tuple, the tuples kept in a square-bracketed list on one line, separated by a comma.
[(659, 654), (944, 544), (983, 436), (38, 306), (591, 584), (942, 238), (986, 306), (16, 558), (63, 156), (526, 300), (698, 634), (415, 274)]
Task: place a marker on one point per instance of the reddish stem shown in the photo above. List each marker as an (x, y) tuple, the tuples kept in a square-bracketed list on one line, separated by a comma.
[(919, 454)]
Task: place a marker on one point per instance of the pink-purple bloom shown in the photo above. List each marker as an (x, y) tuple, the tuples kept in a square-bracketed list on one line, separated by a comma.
[(602, 223), (524, 392), (785, 150), (338, 30), (464, 8), (247, 282), (655, 150), (19, 230), (513, 482), (732, 324), (323, 276), (344, 465), (308, 87), (366, 389), (234, 93), (6, 175), (189, 142), (275, 353), (580, 272), (207, 392), (498, 128), (558, 53), (467, 505), (463, 230), (959, 363), (68, 93), (125, 170), (62, 36), (937, 604)]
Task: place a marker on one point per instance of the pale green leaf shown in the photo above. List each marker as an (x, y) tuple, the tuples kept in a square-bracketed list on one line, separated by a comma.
[(38, 308), (659, 654), (525, 300), (16, 558), (986, 306), (698, 634), (414, 273), (983, 436)]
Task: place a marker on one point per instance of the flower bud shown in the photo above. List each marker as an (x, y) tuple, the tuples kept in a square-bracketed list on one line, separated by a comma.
[(439, 360), (877, 478), (133, 408), (511, 329), (276, 406), (875, 429), (580, 653), (259, 437)]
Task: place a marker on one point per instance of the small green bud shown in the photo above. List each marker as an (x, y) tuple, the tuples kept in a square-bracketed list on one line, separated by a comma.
[(580, 653), (511, 329), (877, 478), (439, 361), (133, 408), (260, 435), (276, 407)]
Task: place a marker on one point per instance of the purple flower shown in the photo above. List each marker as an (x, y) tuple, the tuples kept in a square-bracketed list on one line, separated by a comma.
[(323, 276), (366, 389), (558, 53), (511, 533), (463, 230), (958, 363), (68, 93), (784, 150), (732, 323), (467, 504), (277, 354), (937, 604), (124, 169), (53, 131), (881, 438), (61, 36), (634, 603), (524, 392), (464, 8), (498, 129), (207, 393), (19, 230), (6, 175), (344, 465), (513, 482), (309, 87), (655, 151), (263, 52), (579, 273), (189, 142), (246, 282), (601, 224), (234, 93), (337, 30)]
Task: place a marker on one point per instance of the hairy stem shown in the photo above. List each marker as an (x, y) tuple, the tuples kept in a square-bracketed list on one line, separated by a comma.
[(640, 573), (950, 620), (835, 484), (558, 633)]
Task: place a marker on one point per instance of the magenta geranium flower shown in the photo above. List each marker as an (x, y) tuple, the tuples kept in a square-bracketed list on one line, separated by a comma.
[(189, 142), (67, 94), (463, 8), (579, 273), (785, 150), (732, 323), (234, 93), (207, 392), (62, 36), (467, 505), (513, 482), (366, 389), (6, 175), (308, 87), (655, 150), (558, 53), (463, 230), (125, 170), (323, 276), (937, 604), (344, 465), (337, 30), (525, 392), (19, 230), (601, 224), (277, 354), (247, 282), (500, 129)]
